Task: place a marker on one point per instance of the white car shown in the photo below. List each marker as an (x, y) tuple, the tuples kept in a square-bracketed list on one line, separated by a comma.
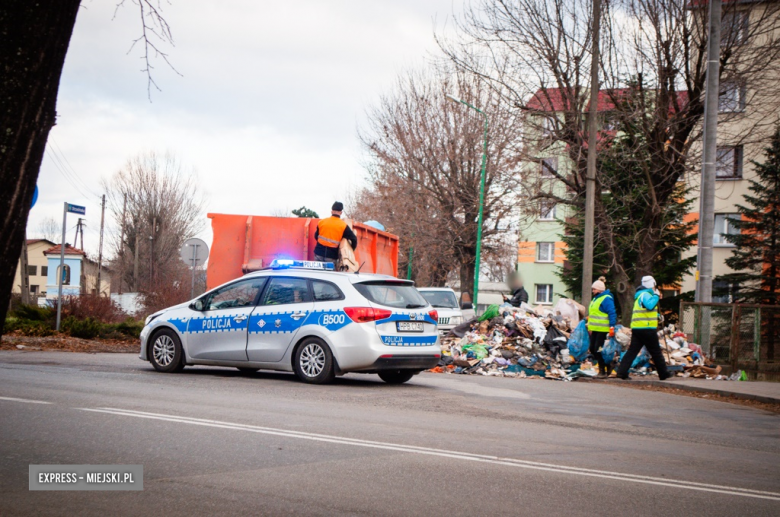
[(444, 300), (302, 317)]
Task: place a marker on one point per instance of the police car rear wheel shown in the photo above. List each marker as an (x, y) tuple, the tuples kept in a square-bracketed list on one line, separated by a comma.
[(166, 352), (396, 376), (313, 362)]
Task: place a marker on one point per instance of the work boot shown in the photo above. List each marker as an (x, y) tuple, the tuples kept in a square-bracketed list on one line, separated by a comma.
[(602, 374)]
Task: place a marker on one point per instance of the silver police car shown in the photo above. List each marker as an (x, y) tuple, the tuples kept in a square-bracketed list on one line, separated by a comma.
[(302, 317)]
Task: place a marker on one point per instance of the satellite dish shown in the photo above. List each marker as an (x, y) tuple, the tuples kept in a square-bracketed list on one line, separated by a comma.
[(194, 252)]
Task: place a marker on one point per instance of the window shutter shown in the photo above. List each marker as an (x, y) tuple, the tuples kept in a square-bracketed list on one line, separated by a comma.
[(738, 161), (742, 95)]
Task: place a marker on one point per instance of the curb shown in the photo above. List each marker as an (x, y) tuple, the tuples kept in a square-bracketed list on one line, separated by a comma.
[(699, 389)]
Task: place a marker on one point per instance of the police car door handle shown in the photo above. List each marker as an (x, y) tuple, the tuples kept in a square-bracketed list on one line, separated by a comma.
[(298, 315), (240, 318)]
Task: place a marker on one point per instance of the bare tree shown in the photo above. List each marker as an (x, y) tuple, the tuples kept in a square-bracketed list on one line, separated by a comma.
[(425, 163), (164, 208), (50, 229), (535, 55), (35, 37)]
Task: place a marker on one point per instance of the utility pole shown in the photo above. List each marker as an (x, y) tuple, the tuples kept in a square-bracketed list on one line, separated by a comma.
[(151, 253), (135, 262), (24, 272), (61, 269), (481, 194), (590, 181), (100, 246), (707, 194), (122, 246), (76, 234)]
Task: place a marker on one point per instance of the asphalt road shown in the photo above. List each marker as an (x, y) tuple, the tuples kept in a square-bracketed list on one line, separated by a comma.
[(214, 441)]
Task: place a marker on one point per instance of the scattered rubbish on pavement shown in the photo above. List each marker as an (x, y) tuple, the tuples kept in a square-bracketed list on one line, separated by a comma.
[(552, 343)]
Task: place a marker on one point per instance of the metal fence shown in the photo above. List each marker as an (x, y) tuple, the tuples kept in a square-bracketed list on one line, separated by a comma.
[(746, 337)]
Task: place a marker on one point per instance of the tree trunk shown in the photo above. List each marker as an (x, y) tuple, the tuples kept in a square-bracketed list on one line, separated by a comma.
[(626, 301), (467, 274), (35, 37)]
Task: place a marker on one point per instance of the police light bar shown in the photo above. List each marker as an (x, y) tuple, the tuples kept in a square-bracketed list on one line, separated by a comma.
[(306, 264)]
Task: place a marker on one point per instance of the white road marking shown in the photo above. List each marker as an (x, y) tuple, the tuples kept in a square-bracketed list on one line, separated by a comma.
[(14, 399), (496, 460)]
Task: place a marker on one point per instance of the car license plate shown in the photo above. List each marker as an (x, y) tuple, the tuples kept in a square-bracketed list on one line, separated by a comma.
[(409, 326)]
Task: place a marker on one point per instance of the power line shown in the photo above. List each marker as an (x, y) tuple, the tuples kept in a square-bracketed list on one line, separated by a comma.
[(54, 160), (71, 168)]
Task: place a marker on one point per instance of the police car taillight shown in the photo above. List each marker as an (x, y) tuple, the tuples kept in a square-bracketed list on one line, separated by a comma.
[(364, 314), (434, 314)]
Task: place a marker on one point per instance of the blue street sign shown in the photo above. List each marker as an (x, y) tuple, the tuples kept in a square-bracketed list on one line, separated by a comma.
[(76, 209), (35, 196)]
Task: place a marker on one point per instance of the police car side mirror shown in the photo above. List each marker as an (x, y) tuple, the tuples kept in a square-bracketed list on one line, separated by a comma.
[(197, 305)]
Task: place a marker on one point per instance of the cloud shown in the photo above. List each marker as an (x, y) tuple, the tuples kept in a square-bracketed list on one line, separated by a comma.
[(266, 109)]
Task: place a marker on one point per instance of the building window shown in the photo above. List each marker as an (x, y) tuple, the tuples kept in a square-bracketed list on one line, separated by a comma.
[(545, 251), (724, 225), (34, 289), (732, 96), (729, 163), (734, 28), (548, 127), (64, 274), (544, 293), (547, 211), (724, 292), (44, 270), (32, 270), (547, 167)]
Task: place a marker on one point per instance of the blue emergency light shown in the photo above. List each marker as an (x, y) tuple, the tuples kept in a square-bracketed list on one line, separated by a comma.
[(306, 264)]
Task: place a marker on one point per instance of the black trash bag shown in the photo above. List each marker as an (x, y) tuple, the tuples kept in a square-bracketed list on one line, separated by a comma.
[(495, 322), (461, 329), (554, 341)]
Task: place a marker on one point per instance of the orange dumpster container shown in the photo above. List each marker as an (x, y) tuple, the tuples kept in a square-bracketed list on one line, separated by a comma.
[(244, 243)]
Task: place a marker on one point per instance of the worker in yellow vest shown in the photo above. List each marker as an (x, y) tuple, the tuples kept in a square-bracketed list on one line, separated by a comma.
[(644, 330), (602, 318), (329, 233)]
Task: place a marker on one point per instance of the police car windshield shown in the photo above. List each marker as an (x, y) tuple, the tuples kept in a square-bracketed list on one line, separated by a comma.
[(441, 299), (392, 294)]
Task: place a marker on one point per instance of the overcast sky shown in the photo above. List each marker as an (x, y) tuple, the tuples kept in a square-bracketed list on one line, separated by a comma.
[(266, 110)]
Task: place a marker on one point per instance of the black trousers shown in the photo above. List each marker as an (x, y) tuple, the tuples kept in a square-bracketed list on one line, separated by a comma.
[(647, 338), (597, 340)]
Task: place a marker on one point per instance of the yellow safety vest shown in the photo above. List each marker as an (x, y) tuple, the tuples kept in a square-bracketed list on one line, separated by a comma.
[(331, 231), (598, 321), (643, 318)]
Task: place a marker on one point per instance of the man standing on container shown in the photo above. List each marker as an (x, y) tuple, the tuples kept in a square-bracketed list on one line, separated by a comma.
[(329, 234), (644, 330)]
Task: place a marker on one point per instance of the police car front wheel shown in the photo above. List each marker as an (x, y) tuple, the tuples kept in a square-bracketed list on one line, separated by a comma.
[(313, 362), (166, 352)]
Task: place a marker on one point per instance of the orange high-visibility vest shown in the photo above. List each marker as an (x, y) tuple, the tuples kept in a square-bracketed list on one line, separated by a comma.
[(331, 231)]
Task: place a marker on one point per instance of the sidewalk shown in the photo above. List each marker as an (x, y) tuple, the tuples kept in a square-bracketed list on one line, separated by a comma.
[(767, 392)]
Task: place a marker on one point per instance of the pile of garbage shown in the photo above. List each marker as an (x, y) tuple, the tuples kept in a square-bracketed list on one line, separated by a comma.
[(553, 343)]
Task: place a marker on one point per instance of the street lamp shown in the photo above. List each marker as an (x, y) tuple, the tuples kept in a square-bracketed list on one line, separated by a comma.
[(481, 193)]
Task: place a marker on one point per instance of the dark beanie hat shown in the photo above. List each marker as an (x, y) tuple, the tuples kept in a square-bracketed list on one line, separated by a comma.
[(338, 206)]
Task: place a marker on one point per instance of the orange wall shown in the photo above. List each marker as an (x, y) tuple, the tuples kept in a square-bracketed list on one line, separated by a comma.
[(526, 252)]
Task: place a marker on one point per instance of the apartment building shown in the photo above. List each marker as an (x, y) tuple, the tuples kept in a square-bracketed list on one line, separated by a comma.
[(743, 109)]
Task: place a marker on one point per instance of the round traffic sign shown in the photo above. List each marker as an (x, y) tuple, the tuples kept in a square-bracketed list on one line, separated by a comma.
[(194, 252)]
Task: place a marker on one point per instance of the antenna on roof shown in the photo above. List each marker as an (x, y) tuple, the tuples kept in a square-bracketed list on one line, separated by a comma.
[(361, 267)]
